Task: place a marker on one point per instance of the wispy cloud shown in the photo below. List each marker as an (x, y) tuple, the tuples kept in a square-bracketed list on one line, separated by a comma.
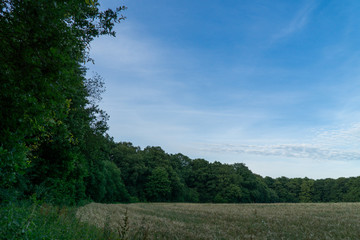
[(344, 138), (341, 144), (299, 21), (305, 151), (127, 54)]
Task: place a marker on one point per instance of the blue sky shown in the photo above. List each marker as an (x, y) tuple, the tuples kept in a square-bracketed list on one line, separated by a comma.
[(272, 84)]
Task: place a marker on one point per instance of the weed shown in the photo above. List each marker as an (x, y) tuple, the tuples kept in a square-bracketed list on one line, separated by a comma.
[(144, 229), (124, 227), (107, 232)]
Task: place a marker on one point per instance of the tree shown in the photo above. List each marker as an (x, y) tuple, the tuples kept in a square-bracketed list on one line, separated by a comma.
[(280, 187), (133, 168), (200, 180), (230, 194), (158, 187), (115, 188), (307, 190), (45, 112)]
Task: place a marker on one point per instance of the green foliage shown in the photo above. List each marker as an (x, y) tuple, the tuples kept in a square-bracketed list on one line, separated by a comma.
[(26, 220), (191, 195), (230, 194), (130, 160), (12, 164), (164, 177), (201, 181), (158, 187), (115, 188), (307, 190), (48, 107)]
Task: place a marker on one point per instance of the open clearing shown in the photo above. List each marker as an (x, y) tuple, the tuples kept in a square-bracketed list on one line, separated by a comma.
[(227, 221)]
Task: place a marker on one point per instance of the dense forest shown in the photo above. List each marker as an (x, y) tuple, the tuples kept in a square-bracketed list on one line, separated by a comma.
[(53, 136)]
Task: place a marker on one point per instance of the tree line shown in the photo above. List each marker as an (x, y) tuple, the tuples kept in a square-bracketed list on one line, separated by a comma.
[(53, 136), (154, 175)]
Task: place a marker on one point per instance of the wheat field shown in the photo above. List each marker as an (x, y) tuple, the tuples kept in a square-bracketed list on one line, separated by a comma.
[(226, 221)]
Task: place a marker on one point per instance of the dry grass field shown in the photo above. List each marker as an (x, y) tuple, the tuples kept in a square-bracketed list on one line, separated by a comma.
[(226, 221)]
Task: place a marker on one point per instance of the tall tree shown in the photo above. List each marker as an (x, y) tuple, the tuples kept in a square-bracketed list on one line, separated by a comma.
[(44, 105), (307, 190), (158, 187)]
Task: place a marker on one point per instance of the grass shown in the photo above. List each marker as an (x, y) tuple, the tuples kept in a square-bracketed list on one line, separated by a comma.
[(226, 221), (28, 220), (145, 221)]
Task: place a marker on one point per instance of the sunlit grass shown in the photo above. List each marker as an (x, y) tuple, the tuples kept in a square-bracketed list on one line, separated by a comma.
[(228, 221)]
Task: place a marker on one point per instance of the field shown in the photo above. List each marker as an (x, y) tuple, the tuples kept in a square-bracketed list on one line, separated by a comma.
[(226, 221)]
